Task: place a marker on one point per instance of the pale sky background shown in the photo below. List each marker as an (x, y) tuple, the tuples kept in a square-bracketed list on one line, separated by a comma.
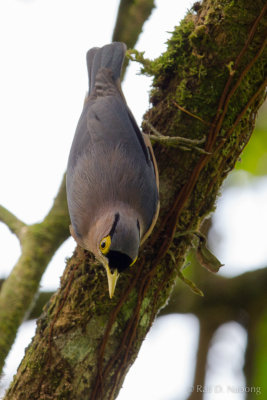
[(43, 82)]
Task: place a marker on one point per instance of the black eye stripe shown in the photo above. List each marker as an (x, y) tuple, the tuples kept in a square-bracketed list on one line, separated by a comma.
[(116, 220)]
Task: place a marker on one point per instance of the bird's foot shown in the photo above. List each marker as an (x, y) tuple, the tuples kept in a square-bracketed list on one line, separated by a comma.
[(176, 141)]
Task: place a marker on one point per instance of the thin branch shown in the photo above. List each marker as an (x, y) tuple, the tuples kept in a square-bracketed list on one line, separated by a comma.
[(15, 225), (191, 114), (207, 328), (39, 243), (130, 21), (183, 143), (232, 294)]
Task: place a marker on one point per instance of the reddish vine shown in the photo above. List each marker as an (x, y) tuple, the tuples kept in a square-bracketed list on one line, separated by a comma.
[(169, 224)]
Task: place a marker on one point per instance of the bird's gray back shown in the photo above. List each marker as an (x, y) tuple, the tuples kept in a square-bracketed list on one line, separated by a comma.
[(108, 163)]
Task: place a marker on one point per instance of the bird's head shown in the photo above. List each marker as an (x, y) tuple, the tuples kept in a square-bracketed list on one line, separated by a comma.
[(114, 239)]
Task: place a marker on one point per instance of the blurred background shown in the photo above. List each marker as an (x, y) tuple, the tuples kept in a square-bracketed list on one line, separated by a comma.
[(43, 82)]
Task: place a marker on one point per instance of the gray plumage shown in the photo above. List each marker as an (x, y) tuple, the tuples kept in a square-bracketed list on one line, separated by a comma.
[(111, 172)]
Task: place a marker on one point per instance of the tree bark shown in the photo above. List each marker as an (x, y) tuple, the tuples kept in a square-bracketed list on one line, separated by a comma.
[(20, 288), (215, 68), (207, 329), (38, 242), (255, 361), (130, 20), (132, 15)]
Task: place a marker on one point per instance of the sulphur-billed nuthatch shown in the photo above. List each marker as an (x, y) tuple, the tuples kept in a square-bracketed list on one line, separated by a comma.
[(112, 178)]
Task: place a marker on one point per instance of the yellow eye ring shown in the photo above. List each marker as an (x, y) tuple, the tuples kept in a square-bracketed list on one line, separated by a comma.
[(105, 245)]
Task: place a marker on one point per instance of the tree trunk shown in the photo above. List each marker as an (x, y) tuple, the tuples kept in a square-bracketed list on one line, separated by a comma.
[(214, 68)]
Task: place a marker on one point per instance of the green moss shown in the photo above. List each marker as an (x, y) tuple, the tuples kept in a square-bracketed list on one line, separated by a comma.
[(199, 36), (144, 321), (77, 346), (145, 303), (127, 308)]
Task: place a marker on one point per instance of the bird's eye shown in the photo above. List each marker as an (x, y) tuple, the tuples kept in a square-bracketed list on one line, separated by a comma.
[(105, 244)]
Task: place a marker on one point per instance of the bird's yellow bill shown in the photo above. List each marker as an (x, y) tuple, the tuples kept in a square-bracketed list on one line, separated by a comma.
[(112, 280)]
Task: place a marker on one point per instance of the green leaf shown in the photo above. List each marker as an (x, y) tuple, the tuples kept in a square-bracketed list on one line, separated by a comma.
[(190, 284), (254, 156)]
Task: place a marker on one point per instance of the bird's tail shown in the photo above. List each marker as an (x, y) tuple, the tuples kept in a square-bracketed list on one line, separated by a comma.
[(110, 56)]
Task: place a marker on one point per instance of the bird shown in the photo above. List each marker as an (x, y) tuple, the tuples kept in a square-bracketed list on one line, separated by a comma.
[(112, 177)]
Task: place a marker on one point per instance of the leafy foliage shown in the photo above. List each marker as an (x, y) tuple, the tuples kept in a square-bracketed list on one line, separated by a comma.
[(254, 157)]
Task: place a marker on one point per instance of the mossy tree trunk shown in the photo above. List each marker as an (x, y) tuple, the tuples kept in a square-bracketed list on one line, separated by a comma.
[(215, 68), (40, 241)]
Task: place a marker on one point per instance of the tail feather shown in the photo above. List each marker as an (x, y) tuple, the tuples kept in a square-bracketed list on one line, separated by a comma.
[(110, 56), (90, 60)]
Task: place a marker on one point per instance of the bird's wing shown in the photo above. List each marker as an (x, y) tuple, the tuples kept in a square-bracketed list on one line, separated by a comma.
[(155, 217)]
